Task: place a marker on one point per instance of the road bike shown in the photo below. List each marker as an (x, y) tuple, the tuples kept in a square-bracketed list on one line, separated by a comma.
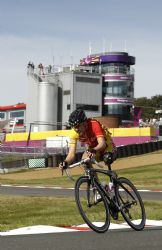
[(98, 202)]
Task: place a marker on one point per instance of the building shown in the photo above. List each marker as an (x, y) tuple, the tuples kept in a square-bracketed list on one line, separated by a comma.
[(13, 117), (118, 83), (103, 85), (53, 96)]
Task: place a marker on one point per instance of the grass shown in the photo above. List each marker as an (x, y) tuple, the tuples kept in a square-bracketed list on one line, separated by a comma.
[(17, 211), (146, 177)]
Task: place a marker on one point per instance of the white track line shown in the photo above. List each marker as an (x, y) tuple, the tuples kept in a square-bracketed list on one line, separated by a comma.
[(41, 229), (51, 187)]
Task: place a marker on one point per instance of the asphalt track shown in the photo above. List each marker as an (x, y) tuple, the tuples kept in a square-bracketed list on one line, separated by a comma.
[(58, 191), (125, 239)]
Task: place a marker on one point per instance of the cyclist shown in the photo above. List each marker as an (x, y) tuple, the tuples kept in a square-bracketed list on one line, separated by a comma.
[(90, 132), (97, 140)]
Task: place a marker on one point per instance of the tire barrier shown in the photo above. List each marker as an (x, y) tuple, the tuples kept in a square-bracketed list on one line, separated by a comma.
[(122, 152), (134, 149), (159, 143), (138, 149)]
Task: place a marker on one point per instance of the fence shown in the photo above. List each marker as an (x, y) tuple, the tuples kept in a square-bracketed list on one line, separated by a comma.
[(13, 158)]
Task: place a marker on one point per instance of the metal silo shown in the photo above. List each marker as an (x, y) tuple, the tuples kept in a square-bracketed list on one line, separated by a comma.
[(47, 106)]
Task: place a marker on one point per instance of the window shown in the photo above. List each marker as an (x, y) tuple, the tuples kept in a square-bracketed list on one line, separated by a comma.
[(20, 122), (114, 109), (15, 114), (68, 106), (2, 115), (88, 107), (66, 92), (117, 88), (114, 68), (87, 79)]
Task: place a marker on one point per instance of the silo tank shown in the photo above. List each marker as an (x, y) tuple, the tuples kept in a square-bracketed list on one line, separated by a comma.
[(47, 105)]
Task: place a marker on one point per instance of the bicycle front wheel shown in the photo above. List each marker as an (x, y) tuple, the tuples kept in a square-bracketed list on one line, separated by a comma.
[(92, 205), (131, 204)]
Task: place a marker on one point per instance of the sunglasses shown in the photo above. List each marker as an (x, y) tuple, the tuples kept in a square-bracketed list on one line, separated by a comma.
[(77, 127)]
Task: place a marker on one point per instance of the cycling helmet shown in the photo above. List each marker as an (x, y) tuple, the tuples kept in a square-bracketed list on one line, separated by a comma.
[(76, 117)]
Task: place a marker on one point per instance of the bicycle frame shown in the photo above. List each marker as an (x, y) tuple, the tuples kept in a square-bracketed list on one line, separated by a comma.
[(91, 173)]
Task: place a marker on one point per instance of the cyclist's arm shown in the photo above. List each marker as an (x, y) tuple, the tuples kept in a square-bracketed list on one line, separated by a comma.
[(71, 155), (101, 144)]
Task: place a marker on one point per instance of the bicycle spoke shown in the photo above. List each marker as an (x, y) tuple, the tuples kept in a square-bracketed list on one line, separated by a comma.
[(131, 204), (92, 205)]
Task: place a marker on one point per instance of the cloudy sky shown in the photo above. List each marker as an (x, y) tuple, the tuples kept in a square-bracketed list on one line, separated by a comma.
[(60, 31)]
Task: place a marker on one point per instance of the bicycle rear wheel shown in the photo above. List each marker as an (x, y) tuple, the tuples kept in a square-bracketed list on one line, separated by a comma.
[(130, 201), (92, 205)]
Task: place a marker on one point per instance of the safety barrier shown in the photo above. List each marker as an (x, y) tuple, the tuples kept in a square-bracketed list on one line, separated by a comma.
[(51, 157), (138, 149)]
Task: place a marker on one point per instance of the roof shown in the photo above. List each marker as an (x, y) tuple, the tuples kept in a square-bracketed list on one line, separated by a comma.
[(13, 107)]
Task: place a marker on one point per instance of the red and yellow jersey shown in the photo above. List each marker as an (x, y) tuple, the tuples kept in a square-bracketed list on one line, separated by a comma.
[(92, 131)]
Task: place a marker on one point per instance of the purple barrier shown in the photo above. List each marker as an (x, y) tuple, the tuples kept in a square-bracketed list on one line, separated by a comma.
[(31, 143), (132, 140)]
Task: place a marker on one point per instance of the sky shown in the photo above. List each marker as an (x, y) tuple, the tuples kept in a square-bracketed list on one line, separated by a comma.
[(59, 32)]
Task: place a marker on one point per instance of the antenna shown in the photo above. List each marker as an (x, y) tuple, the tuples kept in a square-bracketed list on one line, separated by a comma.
[(103, 45), (71, 58), (52, 55), (110, 47), (90, 48), (53, 60)]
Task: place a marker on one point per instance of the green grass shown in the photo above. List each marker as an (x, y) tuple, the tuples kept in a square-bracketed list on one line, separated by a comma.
[(146, 177), (56, 181), (17, 211)]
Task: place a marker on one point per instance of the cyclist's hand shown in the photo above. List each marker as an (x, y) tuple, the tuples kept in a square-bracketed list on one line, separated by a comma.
[(91, 153), (63, 165)]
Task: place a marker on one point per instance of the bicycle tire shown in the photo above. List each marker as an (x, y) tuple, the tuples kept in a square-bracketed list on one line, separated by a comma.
[(95, 214), (130, 203)]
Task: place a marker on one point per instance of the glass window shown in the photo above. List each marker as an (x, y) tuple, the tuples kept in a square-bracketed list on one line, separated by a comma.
[(114, 68), (20, 122), (117, 88), (14, 114), (66, 92), (2, 115), (87, 79), (88, 107), (115, 109)]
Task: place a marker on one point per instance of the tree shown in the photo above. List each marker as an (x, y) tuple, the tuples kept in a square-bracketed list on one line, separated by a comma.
[(149, 106)]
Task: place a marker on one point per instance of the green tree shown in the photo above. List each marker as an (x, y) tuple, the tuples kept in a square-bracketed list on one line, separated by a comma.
[(149, 106)]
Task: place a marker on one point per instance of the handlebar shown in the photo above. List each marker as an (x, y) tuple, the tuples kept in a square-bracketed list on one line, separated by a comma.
[(92, 159), (79, 163), (83, 161)]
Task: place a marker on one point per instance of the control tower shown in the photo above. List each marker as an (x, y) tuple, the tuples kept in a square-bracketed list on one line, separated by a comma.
[(118, 83)]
